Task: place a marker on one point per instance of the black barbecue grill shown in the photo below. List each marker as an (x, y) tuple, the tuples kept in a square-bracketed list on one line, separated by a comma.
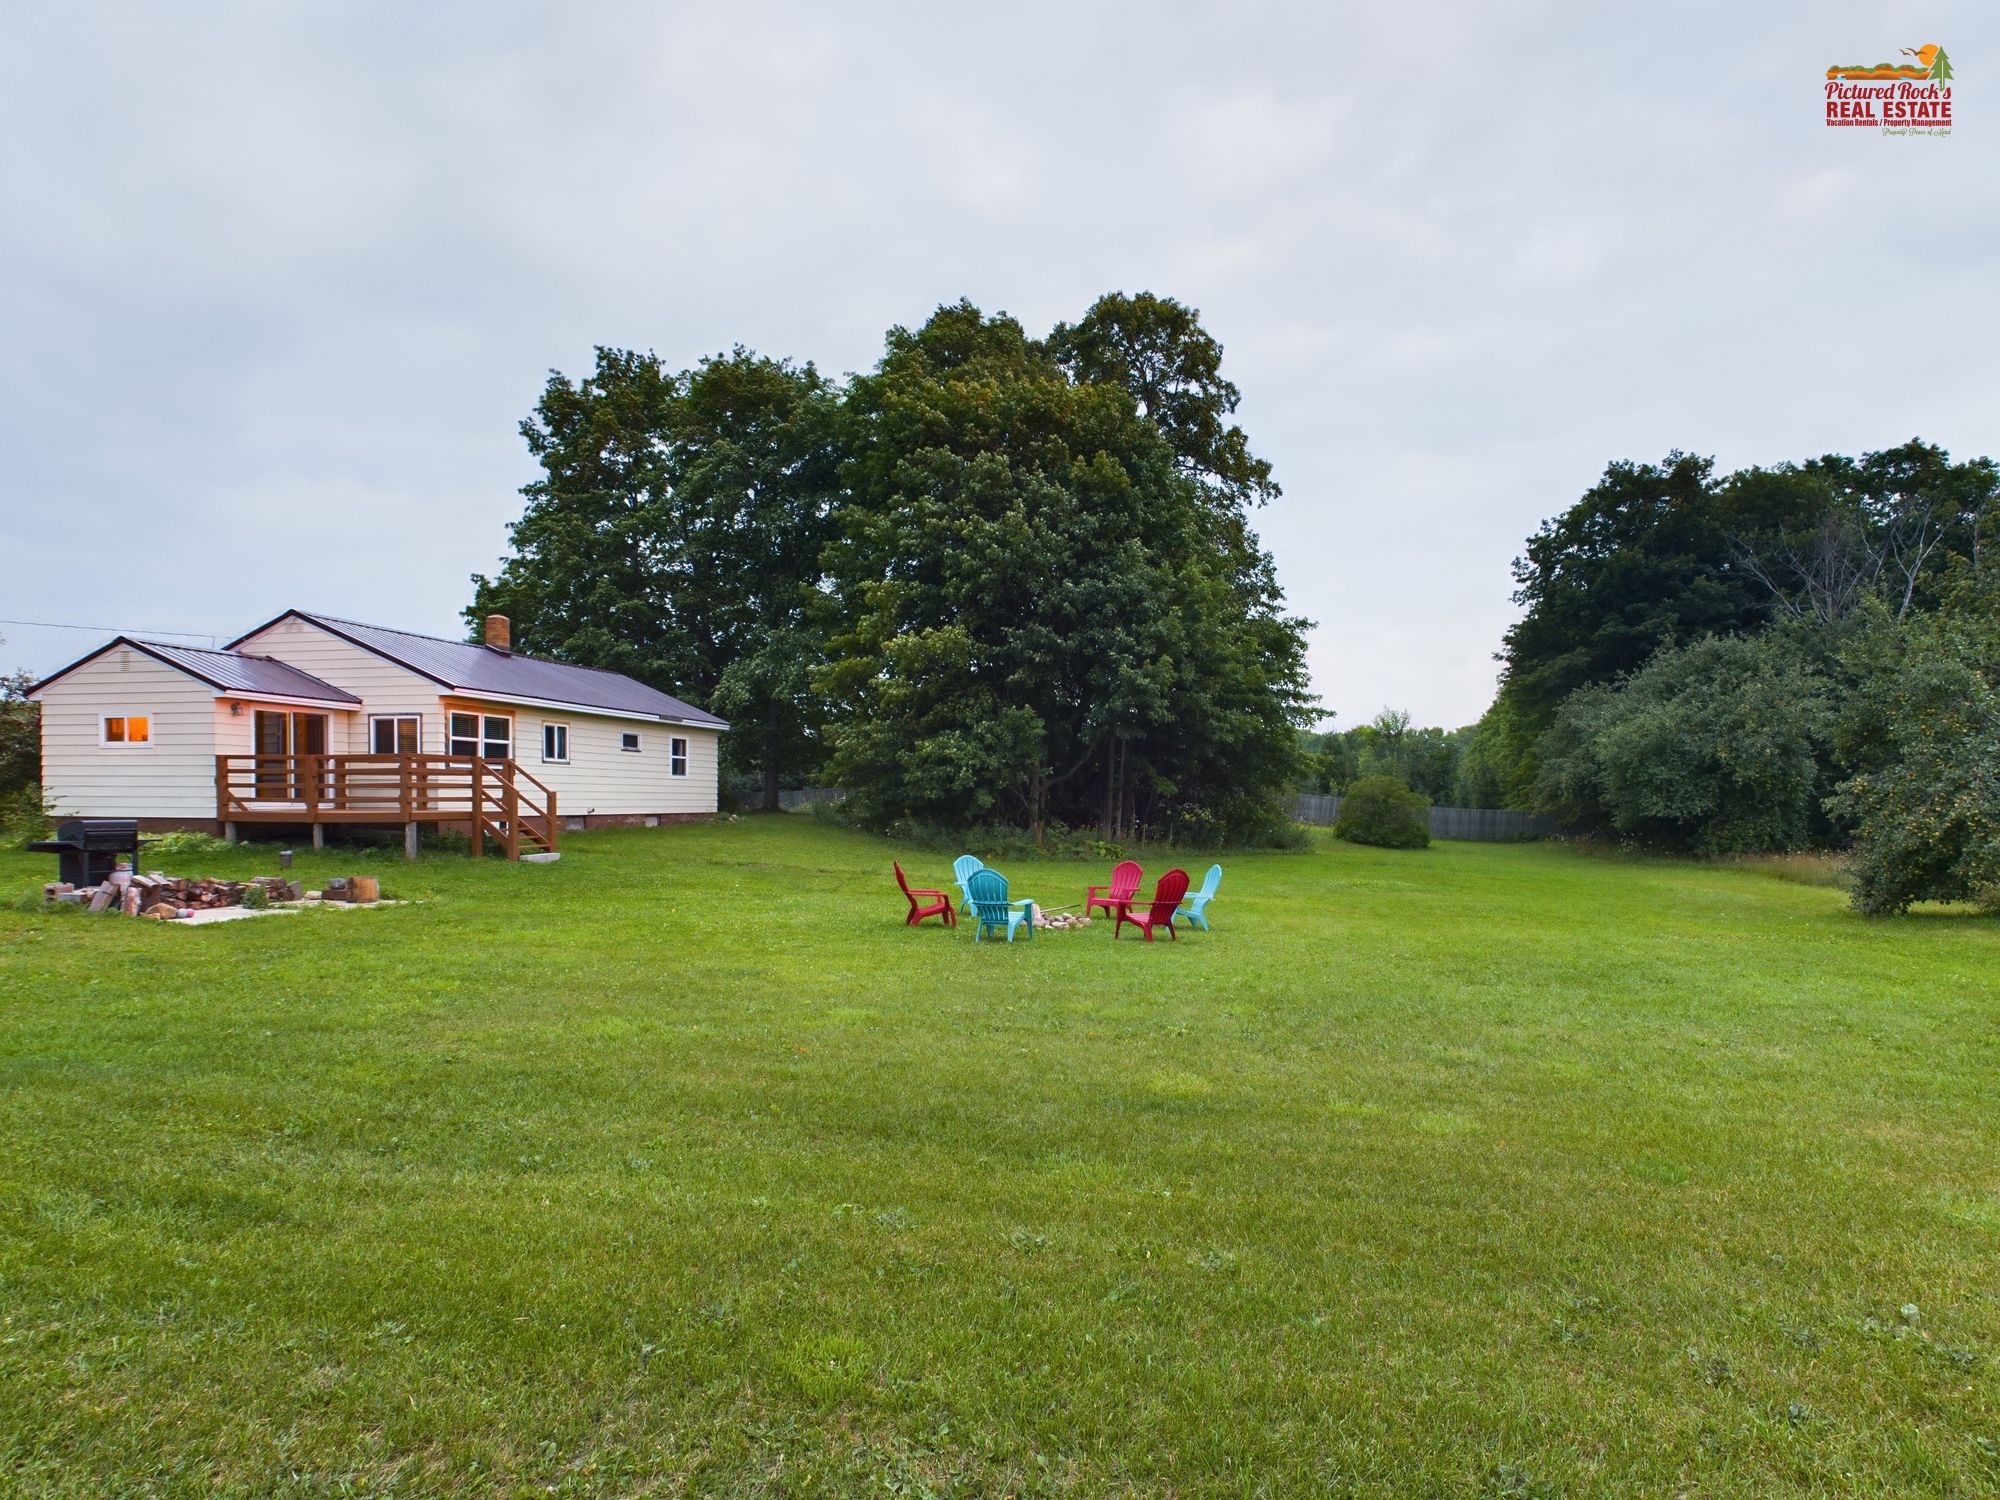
[(88, 848)]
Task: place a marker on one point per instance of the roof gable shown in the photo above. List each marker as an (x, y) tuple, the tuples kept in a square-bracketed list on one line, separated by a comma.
[(226, 671), (481, 671)]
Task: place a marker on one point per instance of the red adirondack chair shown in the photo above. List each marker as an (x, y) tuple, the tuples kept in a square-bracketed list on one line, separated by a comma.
[(1166, 901), (1125, 878), (925, 903)]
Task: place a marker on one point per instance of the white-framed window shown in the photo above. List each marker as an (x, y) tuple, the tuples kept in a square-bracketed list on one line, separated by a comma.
[(677, 756), (489, 736), (629, 740), (128, 730), (395, 734), (555, 744)]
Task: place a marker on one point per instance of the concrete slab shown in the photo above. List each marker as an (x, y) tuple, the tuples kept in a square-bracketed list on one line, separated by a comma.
[(282, 909)]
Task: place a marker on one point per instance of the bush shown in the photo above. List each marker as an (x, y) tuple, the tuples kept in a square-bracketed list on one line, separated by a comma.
[(183, 844), (1381, 811), (25, 815), (1925, 805), (1719, 747)]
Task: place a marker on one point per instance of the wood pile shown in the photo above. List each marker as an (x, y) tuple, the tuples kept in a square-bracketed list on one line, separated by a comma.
[(163, 897)]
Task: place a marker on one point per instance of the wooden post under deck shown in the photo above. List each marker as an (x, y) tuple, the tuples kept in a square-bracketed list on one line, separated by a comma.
[(410, 839)]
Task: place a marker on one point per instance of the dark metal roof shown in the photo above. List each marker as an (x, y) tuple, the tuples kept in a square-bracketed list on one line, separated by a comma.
[(226, 672), (480, 670)]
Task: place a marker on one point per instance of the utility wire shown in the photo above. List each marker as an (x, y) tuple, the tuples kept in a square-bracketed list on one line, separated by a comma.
[(194, 635)]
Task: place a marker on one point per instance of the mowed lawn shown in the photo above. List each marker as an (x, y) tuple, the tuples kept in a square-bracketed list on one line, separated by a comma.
[(683, 1167)]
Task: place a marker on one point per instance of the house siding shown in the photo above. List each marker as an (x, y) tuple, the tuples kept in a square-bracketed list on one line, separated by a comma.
[(601, 780), (172, 778), (382, 686)]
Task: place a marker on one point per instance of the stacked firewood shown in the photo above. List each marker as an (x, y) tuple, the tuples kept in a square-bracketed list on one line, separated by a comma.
[(163, 896)]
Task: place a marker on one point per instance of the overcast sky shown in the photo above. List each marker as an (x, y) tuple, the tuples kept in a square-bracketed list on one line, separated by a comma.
[(279, 282)]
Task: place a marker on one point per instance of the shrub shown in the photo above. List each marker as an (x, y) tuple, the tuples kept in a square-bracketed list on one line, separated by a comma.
[(1923, 724), (183, 844), (25, 815), (1381, 811), (1720, 747)]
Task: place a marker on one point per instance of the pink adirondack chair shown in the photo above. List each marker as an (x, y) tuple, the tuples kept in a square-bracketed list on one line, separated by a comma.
[(1125, 878), (1166, 901)]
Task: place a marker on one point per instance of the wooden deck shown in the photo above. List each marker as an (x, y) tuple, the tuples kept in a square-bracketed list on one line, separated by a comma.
[(495, 799)]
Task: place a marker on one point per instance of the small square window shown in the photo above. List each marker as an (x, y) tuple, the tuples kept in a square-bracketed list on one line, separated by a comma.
[(628, 741), (555, 743), (677, 756), (126, 729), (395, 734)]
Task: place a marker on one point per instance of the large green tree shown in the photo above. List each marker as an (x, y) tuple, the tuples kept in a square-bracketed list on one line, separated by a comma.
[(675, 534), (1660, 555), (1157, 349), (1920, 729), (1039, 607), (1643, 559), (21, 805), (1721, 746)]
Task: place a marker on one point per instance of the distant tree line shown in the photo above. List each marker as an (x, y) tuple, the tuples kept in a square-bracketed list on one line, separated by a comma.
[(996, 579), (1428, 761), (1779, 658)]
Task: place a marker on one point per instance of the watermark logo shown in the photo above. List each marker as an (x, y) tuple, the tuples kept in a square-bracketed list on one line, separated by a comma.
[(1897, 98)]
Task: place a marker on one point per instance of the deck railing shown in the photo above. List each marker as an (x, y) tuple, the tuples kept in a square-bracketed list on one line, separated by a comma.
[(496, 798)]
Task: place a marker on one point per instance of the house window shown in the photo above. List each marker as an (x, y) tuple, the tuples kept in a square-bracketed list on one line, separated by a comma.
[(395, 734), (677, 756), (489, 736), (628, 741), (125, 729), (555, 743)]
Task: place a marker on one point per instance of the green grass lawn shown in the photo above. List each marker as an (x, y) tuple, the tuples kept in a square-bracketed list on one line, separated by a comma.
[(683, 1167)]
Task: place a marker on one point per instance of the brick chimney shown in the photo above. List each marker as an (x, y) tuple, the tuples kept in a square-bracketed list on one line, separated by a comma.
[(499, 634)]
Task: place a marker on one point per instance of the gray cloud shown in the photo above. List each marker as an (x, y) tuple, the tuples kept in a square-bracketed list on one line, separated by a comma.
[(277, 284)]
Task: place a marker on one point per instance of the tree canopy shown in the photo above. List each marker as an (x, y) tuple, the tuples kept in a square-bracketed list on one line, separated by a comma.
[(675, 536), (1039, 609), (1780, 657), (995, 578)]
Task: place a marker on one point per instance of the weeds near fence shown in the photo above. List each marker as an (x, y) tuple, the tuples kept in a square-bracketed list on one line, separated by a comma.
[(1805, 867)]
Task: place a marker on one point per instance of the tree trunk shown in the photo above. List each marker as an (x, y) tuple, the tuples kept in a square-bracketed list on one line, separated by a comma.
[(1109, 822), (771, 757)]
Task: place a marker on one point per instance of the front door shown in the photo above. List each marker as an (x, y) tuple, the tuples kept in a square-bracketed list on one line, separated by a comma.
[(278, 736), (272, 739), (309, 738)]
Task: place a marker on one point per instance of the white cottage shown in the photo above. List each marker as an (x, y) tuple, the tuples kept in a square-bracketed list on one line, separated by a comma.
[(312, 720)]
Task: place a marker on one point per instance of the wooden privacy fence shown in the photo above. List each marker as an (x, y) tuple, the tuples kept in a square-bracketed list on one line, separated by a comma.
[(805, 796), (1491, 825)]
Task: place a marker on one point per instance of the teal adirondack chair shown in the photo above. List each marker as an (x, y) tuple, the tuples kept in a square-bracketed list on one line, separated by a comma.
[(988, 889), (1196, 903), (961, 871)]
